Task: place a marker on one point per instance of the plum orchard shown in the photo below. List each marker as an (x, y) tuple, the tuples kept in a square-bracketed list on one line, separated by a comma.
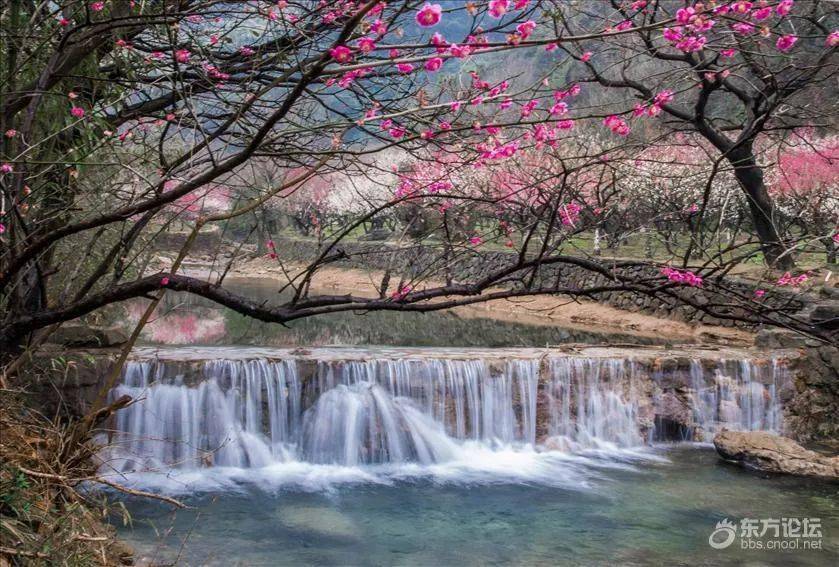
[(505, 123)]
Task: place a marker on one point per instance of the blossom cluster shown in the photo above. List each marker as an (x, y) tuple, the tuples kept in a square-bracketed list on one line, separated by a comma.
[(685, 277), (792, 281)]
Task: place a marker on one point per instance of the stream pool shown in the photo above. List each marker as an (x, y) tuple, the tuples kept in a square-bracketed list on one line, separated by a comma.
[(656, 506)]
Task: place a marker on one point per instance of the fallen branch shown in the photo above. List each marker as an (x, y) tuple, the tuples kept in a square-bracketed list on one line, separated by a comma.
[(101, 480), (141, 493)]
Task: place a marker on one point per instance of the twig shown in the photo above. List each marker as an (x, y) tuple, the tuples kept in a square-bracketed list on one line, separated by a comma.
[(22, 553), (141, 493)]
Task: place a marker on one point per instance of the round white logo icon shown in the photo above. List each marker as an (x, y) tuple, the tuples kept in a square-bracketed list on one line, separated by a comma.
[(723, 536)]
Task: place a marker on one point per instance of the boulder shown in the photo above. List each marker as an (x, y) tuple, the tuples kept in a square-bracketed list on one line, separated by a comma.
[(766, 452), (826, 315)]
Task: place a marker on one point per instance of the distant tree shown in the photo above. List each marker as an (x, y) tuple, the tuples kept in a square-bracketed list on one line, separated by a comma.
[(805, 183), (730, 71)]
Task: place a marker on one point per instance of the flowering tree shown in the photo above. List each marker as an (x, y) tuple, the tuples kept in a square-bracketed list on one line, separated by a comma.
[(732, 72), (120, 116), (805, 182)]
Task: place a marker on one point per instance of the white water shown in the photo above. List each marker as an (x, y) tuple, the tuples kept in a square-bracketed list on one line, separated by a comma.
[(734, 399), (550, 421)]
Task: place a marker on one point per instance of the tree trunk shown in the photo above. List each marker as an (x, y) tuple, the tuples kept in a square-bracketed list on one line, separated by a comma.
[(750, 177), (832, 250)]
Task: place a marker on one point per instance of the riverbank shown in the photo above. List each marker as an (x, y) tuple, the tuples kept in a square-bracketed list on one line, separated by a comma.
[(46, 519), (562, 311)]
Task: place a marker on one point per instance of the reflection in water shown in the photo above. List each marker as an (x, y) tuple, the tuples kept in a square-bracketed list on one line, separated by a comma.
[(184, 319)]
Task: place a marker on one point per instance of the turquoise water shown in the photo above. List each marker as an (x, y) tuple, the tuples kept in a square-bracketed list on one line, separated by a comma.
[(653, 507)]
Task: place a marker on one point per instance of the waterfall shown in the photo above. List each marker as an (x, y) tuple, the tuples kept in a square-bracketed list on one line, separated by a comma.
[(740, 395), (219, 421), (606, 407), (394, 409), (496, 408), (363, 424)]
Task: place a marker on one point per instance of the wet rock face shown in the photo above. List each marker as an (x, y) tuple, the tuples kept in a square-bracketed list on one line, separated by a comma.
[(766, 452), (813, 407)]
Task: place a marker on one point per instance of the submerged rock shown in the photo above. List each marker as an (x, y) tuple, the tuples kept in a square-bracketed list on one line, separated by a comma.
[(767, 452)]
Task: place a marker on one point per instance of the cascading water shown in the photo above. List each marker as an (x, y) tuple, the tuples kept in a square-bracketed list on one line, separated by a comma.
[(735, 397), (604, 409), (217, 421), (363, 424), (256, 413)]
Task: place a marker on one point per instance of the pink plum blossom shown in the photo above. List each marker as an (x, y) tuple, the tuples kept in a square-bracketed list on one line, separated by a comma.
[(741, 7), (429, 15), (433, 64), (438, 41), (526, 28), (570, 214), (691, 44), (785, 42), (460, 51), (528, 107), (684, 15), (341, 54), (401, 293), (378, 27), (497, 8), (366, 45), (685, 277), (672, 34), (784, 7), (793, 281), (558, 108), (617, 125), (743, 28), (762, 14)]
